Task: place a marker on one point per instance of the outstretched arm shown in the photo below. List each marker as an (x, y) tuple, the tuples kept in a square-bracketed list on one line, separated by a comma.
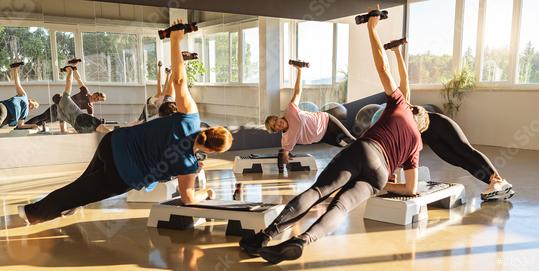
[(296, 97), (17, 81), (80, 83), (69, 80), (169, 89), (159, 89), (403, 74), (184, 101), (188, 194), (380, 57)]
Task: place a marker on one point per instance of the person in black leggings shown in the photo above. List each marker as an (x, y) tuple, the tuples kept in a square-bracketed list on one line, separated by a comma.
[(134, 157), (445, 137), (357, 172), (301, 127)]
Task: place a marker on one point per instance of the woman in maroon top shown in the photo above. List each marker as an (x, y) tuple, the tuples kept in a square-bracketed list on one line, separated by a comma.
[(358, 171)]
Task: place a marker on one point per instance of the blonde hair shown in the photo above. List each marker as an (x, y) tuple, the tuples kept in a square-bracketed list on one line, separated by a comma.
[(421, 118), (217, 139), (268, 121)]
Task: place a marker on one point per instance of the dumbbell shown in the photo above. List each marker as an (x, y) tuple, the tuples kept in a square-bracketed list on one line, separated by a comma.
[(16, 64), (363, 18), (74, 61), (187, 28), (298, 63), (189, 56), (280, 161), (394, 43), (64, 68)]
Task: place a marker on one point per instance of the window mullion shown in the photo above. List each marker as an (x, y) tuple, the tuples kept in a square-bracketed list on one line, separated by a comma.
[(79, 51), (480, 39), (54, 56), (458, 36), (515, 40)]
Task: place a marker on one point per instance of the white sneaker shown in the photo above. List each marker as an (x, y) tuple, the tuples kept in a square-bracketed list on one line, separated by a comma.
[(70, 211), (22, 214), (498, 190)]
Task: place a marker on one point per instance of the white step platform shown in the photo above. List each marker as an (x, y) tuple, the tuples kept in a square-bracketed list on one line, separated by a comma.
[(163, 191), (404, 210), (263, 163), (244, 218)]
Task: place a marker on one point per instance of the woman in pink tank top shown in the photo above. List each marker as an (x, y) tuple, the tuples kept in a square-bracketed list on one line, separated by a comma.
[(303, 127)]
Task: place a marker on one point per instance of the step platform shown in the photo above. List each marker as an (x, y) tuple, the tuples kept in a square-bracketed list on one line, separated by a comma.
[(163, 191), (244, 218), (264, 163), (405, 210)]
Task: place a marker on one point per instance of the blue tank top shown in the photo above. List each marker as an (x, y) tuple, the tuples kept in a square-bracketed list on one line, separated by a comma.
[(17, 107), (156, 150)]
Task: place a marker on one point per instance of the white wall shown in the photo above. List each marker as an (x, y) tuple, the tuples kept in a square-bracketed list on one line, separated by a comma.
[(505, 118)]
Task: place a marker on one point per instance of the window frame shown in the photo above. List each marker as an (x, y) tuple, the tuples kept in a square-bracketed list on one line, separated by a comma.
[(228, 28), (512, 81), (78, 29), (293, 38)]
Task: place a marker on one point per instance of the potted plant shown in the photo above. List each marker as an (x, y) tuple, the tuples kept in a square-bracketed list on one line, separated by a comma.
[(194, 69), (453, 91)]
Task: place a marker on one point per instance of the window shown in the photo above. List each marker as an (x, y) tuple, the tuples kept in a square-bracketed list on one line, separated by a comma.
[(110, 57), (250, 55), (150, 58), (319, 52), (431, 31), (497, 36), (31, 44), (65, 49), (528, 53), (469, 34), (217, 57), (286, 53), (234, 65), (342, 53)]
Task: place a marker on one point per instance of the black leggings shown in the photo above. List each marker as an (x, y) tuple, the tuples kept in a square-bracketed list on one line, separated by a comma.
[(50, 115), (98, 182), (446, 139), (358, 171), (336, 133)]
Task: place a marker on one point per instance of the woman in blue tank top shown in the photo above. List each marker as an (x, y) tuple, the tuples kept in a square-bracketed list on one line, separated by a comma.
[(134, 157), (14, 110)]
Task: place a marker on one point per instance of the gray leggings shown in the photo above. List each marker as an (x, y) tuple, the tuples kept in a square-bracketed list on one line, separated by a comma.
[(3, 114), (359, 171)]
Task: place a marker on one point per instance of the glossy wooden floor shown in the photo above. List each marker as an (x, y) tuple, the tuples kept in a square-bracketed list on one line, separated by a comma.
[(112, 235)]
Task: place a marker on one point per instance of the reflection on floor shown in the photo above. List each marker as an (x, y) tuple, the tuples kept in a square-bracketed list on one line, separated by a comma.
[(113, 234)]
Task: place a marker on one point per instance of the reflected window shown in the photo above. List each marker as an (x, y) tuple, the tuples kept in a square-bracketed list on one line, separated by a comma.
[(528, 53), (286, 53), (110, 57), (250, 55), (342, 53), (65, 50), (217, 57), (431, 30), (234, 65), (469, 34), (149, 53), (31, 44)]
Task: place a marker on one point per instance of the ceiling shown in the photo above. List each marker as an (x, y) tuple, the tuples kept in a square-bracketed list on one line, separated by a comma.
[(319, 10)]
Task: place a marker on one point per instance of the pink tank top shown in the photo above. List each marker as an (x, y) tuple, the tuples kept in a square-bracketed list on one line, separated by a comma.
[(303, 127)]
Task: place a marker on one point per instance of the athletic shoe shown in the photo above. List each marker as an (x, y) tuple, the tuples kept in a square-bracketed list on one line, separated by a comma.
[(252, 244), (22, 214), (497, 190), (501, 196), (288, 250), (70, 211)]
